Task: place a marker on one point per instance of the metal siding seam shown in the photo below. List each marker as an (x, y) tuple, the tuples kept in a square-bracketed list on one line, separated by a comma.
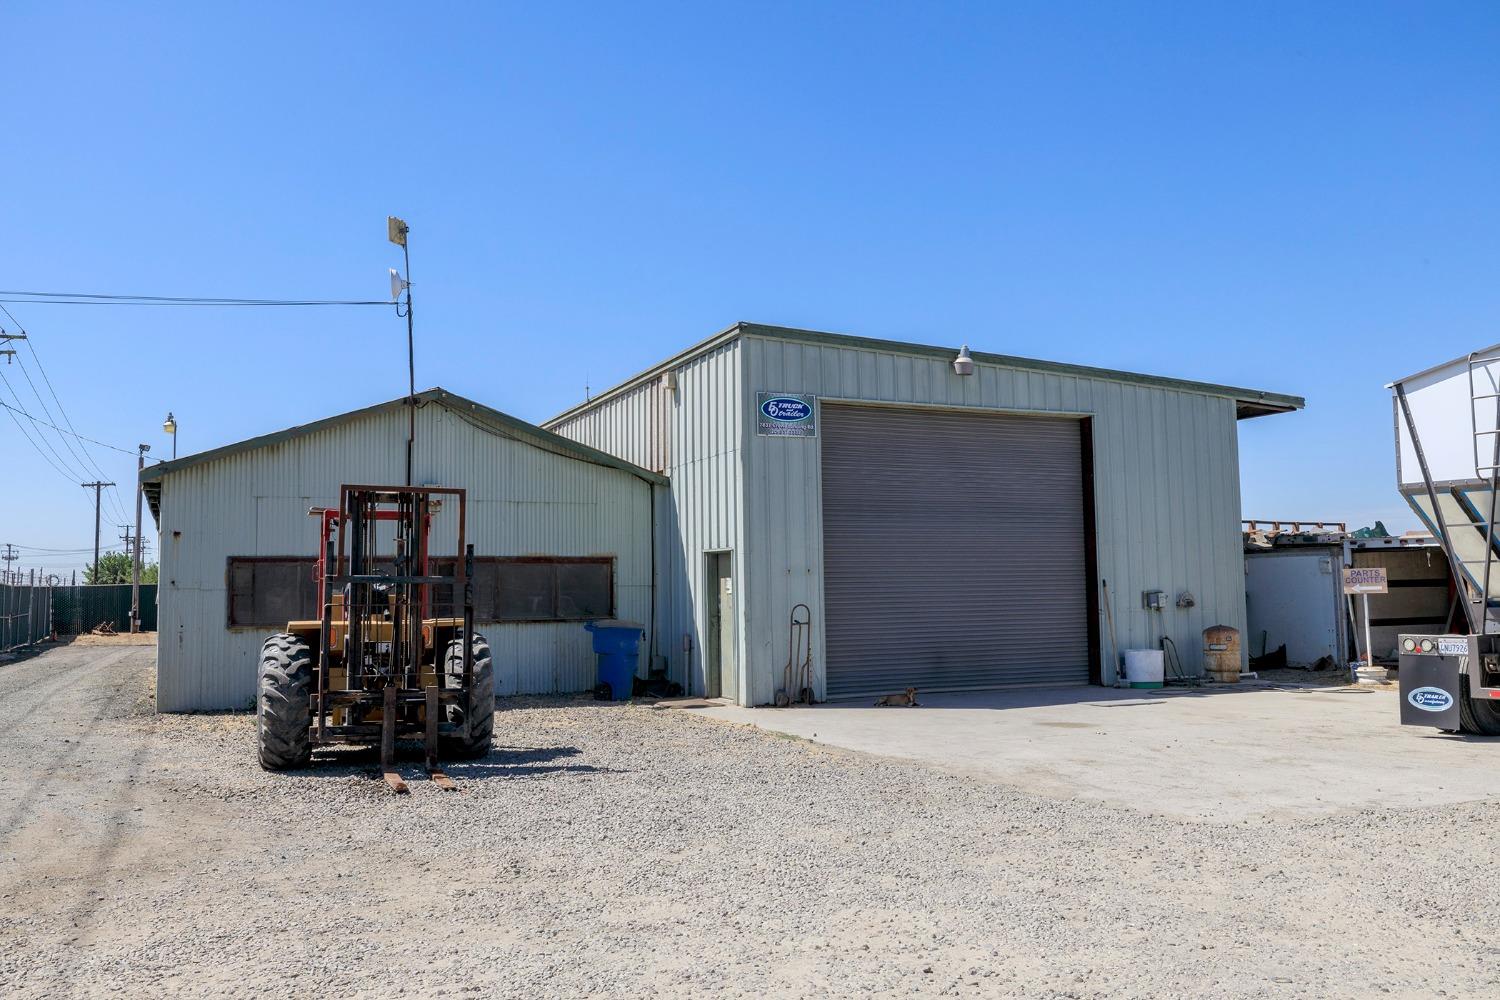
[(212, 667)]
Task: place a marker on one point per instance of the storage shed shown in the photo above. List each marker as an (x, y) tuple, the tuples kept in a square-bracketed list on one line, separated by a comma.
[(562, 534), (945, 531)]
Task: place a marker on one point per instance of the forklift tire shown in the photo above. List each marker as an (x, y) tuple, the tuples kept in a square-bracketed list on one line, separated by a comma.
[(283, 703), (1481, 718), (480, 711)]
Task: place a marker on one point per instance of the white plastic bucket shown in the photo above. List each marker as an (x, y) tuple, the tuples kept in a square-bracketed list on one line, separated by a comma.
[(1144, 668)]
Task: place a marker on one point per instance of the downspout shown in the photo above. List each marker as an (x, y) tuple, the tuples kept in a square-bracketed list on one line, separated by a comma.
[(651, 493)]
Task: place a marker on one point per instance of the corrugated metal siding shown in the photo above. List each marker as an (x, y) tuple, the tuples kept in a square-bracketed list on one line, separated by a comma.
[(1166, 468), (702, 510), (953, 543), (523, 501), (632, 426)]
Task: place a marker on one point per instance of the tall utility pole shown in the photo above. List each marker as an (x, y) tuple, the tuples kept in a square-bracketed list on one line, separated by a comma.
[(127, 536), (97, 487), (6, 338), (395, 231), (135, 571), (9, 557)]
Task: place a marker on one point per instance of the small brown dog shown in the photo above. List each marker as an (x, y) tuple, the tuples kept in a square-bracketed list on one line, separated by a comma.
[(906, 699)]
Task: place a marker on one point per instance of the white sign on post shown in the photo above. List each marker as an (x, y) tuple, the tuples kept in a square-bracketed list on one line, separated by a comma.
[(1364, 580)]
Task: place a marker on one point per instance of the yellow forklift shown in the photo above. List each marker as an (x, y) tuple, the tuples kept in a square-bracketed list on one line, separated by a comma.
[(380, 665)]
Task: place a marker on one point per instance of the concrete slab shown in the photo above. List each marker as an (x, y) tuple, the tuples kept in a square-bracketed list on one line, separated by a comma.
[(1215, 755)]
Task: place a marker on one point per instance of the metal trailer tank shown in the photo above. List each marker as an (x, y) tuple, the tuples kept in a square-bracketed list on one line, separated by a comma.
[(1448, 468)]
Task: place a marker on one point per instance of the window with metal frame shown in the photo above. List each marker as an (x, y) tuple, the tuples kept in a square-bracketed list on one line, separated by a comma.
[(269, 591)]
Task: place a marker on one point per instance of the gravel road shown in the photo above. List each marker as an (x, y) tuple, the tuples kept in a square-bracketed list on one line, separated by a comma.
[(621, 851)]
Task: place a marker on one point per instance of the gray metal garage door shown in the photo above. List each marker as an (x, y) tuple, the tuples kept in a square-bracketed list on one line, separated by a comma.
[(953, 550)]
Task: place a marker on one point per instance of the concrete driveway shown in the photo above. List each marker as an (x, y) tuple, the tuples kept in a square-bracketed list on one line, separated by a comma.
[(1216, 754)]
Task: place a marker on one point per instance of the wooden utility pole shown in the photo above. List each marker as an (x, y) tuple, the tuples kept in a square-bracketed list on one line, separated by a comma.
[(135, 572), (97, 487), (9, 352)]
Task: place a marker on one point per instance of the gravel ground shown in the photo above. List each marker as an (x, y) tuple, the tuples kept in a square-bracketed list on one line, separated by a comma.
[(622, 851)]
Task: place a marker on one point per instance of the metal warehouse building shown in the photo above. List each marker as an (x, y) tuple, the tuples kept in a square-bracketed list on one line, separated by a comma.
[(945, 531), (562, 533)]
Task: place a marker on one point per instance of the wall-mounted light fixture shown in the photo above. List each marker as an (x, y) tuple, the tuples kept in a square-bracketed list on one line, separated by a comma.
[(963, 364)]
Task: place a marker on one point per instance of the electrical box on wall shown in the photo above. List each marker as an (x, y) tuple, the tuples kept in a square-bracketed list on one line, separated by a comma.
[(1154, 600)]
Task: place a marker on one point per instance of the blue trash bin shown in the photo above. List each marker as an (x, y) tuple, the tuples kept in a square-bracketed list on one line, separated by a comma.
[(618, 644)]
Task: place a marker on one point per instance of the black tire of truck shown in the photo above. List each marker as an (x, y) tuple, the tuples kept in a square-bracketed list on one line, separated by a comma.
[(479, 712), (283, 703), (1481, 717)]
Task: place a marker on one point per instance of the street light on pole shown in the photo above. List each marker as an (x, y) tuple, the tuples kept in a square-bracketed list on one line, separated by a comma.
[(135, 559), (170, 426), (396, 231)]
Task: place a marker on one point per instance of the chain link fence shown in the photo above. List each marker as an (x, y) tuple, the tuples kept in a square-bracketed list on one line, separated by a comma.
[(25, 615), (77, 610)]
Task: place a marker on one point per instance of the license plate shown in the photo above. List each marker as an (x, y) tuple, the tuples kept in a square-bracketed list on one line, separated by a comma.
[(1453, 647)]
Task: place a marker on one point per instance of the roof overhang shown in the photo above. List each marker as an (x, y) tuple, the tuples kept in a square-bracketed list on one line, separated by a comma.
[(1248, 402), (486, 417)]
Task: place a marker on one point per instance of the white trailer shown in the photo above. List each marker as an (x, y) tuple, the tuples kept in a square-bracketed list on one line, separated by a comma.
[(1448, 468)]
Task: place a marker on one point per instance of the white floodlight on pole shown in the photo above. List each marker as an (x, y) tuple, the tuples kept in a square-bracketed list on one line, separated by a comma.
[(396, 231)]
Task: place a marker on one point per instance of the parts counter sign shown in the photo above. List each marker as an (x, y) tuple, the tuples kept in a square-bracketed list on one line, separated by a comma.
[(785, 414)]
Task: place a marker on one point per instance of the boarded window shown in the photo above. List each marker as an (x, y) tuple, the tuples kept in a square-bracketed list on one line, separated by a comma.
[(268, 592), (585, 590)]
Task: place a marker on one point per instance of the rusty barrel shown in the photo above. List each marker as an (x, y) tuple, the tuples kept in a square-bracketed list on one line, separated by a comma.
[(1221, 653)]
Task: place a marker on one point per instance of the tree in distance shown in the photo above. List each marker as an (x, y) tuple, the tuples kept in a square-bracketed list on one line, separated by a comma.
[(114, 567)]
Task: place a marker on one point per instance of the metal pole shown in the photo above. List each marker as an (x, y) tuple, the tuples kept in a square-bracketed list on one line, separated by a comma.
[(411, 363), (135, 570), (1369, 648), (1454, 566), (96, 487)]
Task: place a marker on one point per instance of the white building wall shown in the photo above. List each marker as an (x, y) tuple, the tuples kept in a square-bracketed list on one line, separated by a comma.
[(701, 512), (1166, 486), (523, 500), (1294, 596)]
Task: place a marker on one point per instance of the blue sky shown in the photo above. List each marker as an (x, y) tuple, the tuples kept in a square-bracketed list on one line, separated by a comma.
[(1293, 197)]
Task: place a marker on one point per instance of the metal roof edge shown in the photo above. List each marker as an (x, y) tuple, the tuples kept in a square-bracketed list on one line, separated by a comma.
[(539, 435), (550, 439), (1278, 402), (724, 336), (1493, 349), (1257, 402)]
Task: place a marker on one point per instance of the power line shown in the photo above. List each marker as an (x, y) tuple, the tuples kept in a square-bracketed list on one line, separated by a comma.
[(69, 476), (31, 346), (99, 298), (73, 452), (43, 437), (35, 419)]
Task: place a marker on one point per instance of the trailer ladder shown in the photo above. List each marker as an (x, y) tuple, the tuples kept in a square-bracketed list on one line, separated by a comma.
[(1491, 433)]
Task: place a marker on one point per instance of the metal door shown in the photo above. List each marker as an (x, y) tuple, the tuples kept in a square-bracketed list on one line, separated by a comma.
[(722, 661), (954, 550)]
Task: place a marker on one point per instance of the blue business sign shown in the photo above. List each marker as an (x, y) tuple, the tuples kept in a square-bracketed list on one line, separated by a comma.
[(785, 414), (1430, 699)]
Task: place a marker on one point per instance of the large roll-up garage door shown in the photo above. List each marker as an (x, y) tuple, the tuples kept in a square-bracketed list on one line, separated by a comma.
[(953, 550)]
